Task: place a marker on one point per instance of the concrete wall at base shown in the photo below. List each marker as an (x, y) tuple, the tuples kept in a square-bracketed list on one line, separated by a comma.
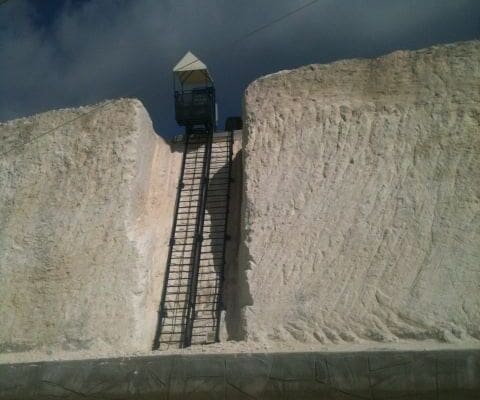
[(334, 376)]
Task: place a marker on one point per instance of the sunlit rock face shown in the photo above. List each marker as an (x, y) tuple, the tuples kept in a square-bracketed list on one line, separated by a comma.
[(85, 217), (361, 207)]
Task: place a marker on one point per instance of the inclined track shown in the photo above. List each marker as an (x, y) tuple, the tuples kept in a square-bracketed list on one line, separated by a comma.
[(192, 294)]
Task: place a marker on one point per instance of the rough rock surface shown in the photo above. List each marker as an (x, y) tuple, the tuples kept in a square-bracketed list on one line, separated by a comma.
[(85, 217), (362, 199)]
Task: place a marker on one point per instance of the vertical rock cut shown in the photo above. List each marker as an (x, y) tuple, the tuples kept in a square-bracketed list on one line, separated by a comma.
[(361, 209), (85, 217)]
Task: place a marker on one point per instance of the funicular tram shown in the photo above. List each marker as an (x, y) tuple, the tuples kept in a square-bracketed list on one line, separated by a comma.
[(194, 94)]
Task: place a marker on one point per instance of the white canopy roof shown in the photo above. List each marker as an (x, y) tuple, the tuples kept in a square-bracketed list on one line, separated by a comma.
[(190, 70)]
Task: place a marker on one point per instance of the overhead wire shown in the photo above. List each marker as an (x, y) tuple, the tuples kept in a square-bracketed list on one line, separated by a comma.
[(233, 43), (55, 128)]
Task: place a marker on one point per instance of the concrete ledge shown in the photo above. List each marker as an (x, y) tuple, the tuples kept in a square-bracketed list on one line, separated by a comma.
[(350, 375)]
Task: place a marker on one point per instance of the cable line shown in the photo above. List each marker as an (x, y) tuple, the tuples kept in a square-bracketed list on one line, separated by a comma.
[(100, 106), (273, 22), (108, 102)]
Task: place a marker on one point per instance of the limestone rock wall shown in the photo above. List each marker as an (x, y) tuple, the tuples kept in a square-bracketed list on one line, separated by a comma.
[(85, 217), (361, 207)]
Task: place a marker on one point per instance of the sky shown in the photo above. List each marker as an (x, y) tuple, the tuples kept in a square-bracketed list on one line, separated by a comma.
[(67, 53)]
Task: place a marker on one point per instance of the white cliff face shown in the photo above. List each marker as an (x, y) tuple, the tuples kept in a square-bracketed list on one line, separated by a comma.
[(361, 207), (360, 213), (85, 217)]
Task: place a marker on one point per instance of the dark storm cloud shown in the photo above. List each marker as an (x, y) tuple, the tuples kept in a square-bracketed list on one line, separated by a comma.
[(88, 51)]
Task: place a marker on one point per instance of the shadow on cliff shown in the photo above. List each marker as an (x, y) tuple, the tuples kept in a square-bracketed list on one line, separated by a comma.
[(235, 290), (236, 294)]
